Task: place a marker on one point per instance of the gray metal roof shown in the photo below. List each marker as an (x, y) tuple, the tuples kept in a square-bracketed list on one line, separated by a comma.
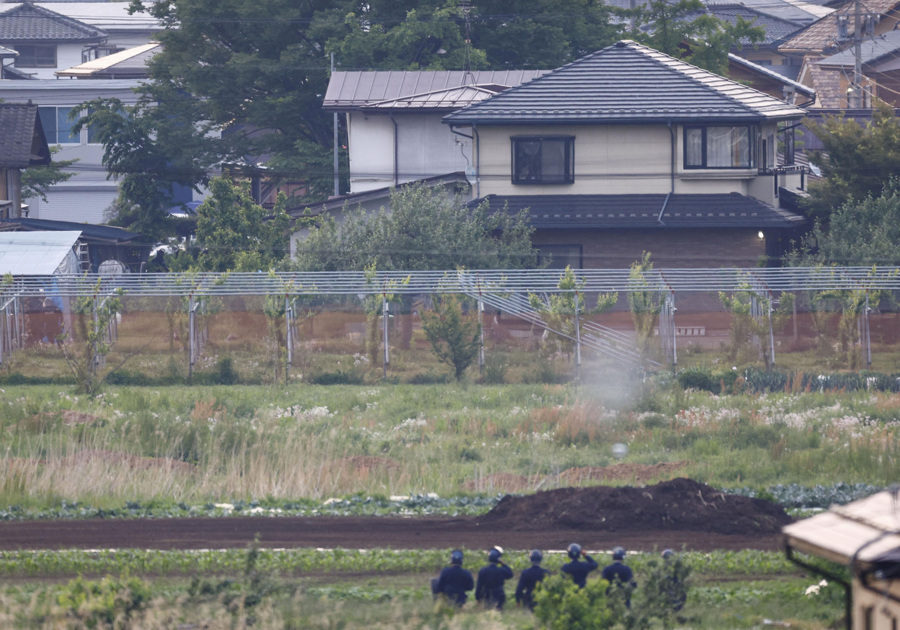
[(871, 50), (579, 212), (35, 253), (353, 90), (776, 29), (626, 83), (769, 72), (31, 23), (22, 141), (88, 231), (450, 99)]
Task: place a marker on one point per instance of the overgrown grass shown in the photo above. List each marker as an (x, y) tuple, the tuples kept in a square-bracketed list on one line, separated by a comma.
[(206, 444)]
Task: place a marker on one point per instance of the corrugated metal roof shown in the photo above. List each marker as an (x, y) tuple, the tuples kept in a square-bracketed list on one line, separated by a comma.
[(843, 531), (353, 90), (626, 82), (34, 253), (822, 34), (89, 231), (578, 212), (791, 10), (21, 143), (449, 100), (30, 23), (131, 62)]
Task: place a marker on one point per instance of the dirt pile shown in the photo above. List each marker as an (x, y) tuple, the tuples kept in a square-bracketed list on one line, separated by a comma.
[(680, 504)]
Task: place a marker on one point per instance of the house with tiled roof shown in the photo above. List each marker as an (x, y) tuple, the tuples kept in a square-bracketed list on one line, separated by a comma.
[(629, 150), (22, 144), (832, 38), (45, 40)]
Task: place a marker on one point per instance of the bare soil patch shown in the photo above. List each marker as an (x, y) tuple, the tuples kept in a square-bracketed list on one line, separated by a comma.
[(680, 504)]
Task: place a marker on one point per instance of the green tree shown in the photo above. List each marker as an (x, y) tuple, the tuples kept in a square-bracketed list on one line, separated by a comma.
[(558, 309), (561, 605), (455, 336), (424, 229), (644, 302), (685, 31), (37, 180), (235, 234), (859, 233), (856, 161)]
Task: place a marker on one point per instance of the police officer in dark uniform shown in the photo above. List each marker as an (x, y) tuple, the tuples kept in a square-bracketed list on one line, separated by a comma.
[(529, 579), (489, 589), (576, 568), (454, 581), (619, 575)]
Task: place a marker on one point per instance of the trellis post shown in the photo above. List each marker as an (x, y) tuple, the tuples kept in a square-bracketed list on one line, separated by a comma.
[(577, 338), (191, 317), (867, 331), (288, 337), (385, 314)]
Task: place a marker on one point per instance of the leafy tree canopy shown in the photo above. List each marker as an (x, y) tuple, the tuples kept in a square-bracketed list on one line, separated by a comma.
[(684, 30), (37, 180), (857, 159), (423, 230), (235, 234), (860, 233)]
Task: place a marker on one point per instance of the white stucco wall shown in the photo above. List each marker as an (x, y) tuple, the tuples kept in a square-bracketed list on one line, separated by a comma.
[(425, 148)]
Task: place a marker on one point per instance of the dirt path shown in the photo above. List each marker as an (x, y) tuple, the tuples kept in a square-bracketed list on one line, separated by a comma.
[(348, 532)]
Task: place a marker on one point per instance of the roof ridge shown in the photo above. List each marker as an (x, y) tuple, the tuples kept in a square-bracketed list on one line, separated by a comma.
[(26, 7)]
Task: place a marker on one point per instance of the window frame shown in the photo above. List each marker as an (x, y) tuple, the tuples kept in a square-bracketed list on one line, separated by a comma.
[(53, 135), (568, 166), (576, 250), (28, 58), (752, 140)]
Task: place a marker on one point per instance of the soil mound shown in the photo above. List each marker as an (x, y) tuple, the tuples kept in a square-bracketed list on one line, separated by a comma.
[(634, 473), (680, 504)]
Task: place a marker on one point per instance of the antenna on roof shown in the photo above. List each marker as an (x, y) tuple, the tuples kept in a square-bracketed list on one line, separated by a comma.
[(466, 7)]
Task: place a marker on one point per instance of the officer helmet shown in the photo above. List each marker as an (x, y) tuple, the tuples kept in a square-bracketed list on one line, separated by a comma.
[(456, 557), (574, 550), (494, 555), (618, 553), (667, 554), (536, 556)]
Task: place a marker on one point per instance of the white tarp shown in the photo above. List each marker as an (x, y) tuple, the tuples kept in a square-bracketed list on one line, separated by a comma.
[(38, 253)]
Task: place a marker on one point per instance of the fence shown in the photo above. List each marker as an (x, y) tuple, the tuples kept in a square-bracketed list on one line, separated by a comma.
[(850, 307)]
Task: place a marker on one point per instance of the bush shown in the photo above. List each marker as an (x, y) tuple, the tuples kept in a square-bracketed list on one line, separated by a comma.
[(105, 602), (225, 373), (561, 605), (339, 377), (699, 378), (494, 371)]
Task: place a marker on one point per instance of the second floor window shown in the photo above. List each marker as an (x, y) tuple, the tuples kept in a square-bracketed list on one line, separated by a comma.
[(57, 126), (719, 147), (543, 160), (36, 56)]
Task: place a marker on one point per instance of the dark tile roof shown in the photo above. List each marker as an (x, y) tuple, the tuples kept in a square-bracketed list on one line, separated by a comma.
[(352, 90), (626, 83), (89, 231), (31, 23), (576, 212), (776, 29), (22, 141)]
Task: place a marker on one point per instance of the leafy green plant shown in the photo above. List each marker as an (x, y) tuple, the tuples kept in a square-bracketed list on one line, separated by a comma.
[(561, 605), (101, 603), (455, 337), (644, 302)]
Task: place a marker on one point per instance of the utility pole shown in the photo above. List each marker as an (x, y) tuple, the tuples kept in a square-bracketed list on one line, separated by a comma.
[(857, 101), (337, 179)]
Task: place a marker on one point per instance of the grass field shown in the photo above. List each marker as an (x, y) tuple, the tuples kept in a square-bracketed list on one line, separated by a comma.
[(306, 444)]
